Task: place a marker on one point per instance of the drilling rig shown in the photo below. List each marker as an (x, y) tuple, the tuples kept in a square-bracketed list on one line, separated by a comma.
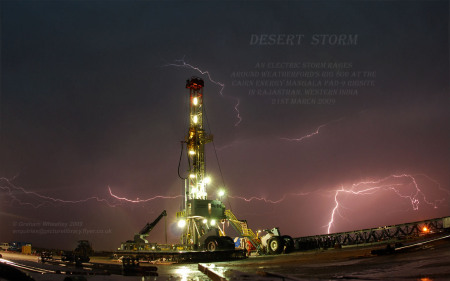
[(199, 216)]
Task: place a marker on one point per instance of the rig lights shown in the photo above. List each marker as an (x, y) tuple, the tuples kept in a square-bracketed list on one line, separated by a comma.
[(192, 176), (212, 222), (207, 180), (195, 101), (181, 223), (191, 152), (195, 119), (220, 194)]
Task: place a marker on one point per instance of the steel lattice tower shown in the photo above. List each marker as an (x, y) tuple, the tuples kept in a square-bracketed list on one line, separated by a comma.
[(199, 216), (195, 141)]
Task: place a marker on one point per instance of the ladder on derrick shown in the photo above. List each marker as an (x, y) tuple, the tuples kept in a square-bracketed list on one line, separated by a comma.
[(242, 228)]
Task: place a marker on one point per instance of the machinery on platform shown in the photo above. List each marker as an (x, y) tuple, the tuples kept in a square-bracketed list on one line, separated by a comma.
[(82, 253), (140, 242), (200, 216), (273, 243)]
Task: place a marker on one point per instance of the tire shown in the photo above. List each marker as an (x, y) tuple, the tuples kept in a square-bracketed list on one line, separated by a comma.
[(275, 245), (212, 244), (288, 243), (226, 243)]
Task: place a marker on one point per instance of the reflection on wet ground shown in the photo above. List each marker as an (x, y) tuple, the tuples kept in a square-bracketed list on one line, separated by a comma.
[(428, 262)]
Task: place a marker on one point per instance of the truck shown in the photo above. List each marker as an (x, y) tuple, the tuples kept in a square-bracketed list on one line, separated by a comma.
[(16, 246), (274, 243), (271, 243)]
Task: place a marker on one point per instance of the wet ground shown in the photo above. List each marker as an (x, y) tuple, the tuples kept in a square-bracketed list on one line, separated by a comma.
[(427, 262)]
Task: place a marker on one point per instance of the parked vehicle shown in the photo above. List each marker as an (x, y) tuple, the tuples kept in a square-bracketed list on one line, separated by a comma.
[(17, 246), (4, 246)]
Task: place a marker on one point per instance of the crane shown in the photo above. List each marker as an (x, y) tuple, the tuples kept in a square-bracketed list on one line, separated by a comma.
[(140, 241), (140, 237)]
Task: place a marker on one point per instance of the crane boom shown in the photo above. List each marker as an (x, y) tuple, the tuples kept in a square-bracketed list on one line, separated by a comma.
[(149, 226)]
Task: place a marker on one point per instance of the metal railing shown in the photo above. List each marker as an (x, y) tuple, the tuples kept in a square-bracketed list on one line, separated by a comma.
[(373, 235)]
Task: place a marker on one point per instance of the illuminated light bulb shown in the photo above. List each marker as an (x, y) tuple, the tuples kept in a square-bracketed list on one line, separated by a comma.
[(195, 101), (207, 180), (205, 221), (181, 223), (221, 193), (192, 176), (213, 222), (191, 152), (195, 119)]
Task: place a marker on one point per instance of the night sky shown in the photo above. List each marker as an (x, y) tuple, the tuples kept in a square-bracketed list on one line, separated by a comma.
[(93, 97)]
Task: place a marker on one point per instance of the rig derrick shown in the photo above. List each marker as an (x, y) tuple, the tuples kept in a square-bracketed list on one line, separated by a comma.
[(200, 216)]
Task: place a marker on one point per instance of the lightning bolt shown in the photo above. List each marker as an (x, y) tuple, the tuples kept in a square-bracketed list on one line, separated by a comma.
[(182, 63), (39, 200), (142, 200), (14, 192), (370, 187), (400, 185), (437, 183), (416, 197), (233, 143), (306, 136), (268, 200), (316, 132)]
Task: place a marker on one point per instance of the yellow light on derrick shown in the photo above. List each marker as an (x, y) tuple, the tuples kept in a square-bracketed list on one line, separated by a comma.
[(181, 223), (195, 119), (195, 101), (191, 152)]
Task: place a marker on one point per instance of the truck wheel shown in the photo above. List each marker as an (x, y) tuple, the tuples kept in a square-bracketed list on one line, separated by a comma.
[(275, 245), (288, 243), (226, 243), (211, 244)]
